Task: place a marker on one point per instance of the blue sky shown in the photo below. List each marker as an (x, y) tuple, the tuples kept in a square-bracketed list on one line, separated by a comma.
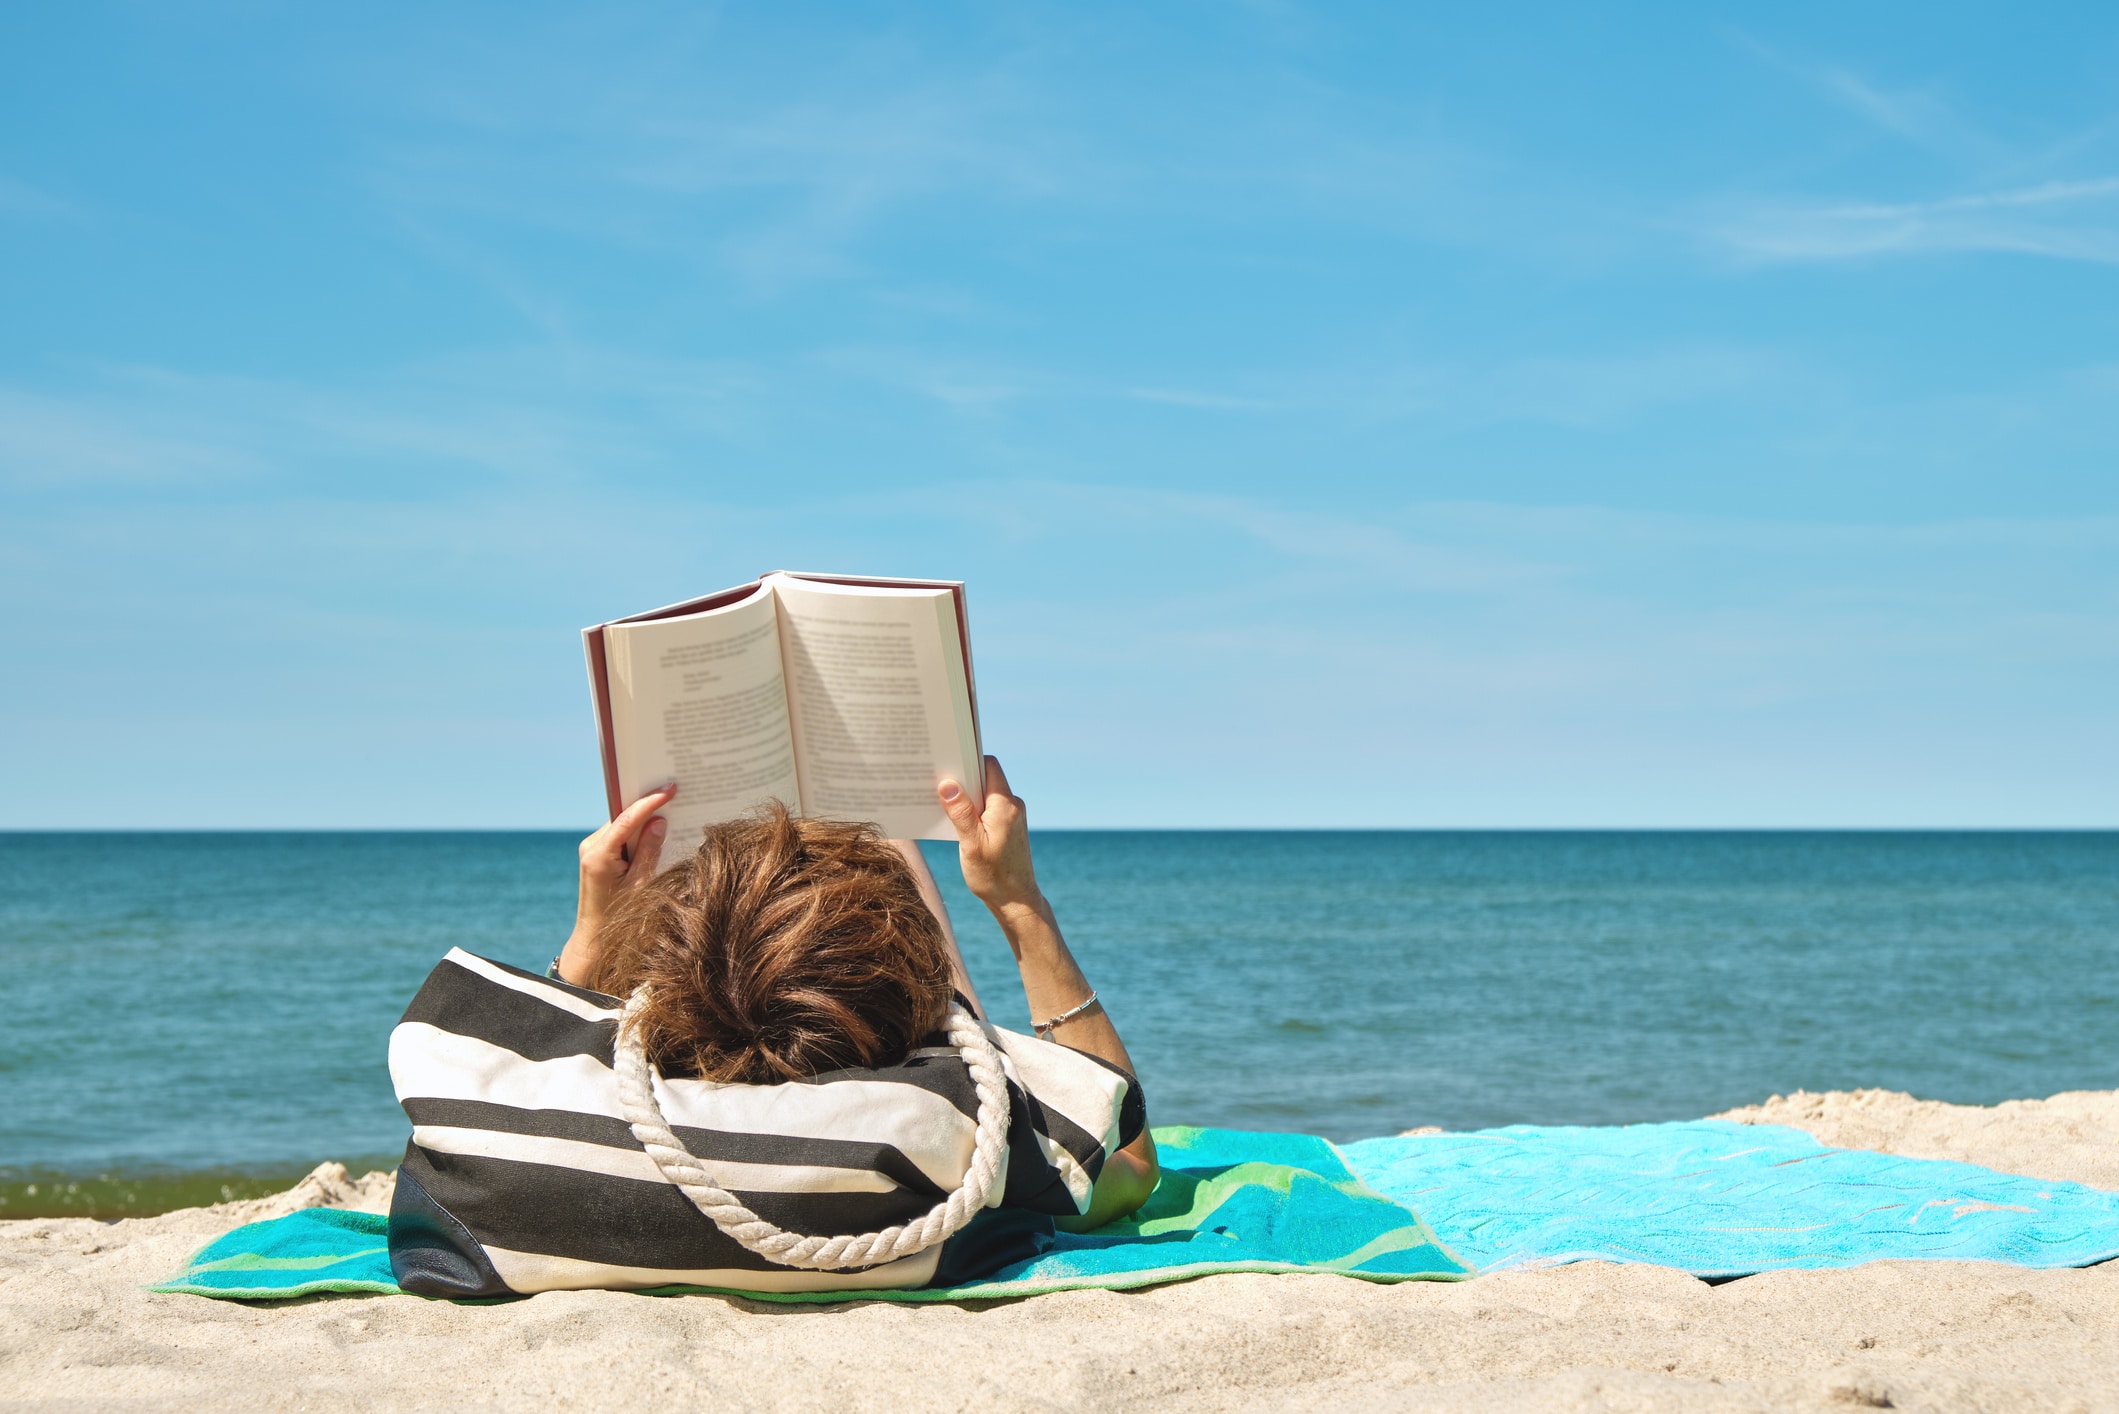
[(1350, 415)]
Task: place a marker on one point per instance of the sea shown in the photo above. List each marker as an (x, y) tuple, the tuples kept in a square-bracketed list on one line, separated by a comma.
[(187, 1017)]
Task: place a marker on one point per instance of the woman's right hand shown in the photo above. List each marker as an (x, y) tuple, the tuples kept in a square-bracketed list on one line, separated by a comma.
[(993, 840)]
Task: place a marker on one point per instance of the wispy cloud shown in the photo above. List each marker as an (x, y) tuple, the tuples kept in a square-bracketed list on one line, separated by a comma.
[(1917, 116), (51, 441), (961, 382), (2065, 220), (1573, 390), (833, 170), (684, 152), (1578, 390), (1205, 402), (20, 199), (1015, 141), (1602, 390), (524, 417), (2000, 197)]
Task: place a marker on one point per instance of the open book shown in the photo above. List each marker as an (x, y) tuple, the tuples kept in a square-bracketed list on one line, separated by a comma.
[(841, 697)]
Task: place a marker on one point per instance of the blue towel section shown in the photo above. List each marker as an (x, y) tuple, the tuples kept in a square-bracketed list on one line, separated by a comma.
[(1720, 1200)]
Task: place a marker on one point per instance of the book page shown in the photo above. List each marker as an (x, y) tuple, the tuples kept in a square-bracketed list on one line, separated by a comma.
[(701, 700), (880, 701)]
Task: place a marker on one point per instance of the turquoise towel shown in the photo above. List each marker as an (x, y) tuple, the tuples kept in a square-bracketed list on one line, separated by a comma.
[(315, 1250), (1719, 1200), (1711, 1198), (1228, 1202)]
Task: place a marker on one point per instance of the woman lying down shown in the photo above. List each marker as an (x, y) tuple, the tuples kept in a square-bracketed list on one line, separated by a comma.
[(763, 1068)]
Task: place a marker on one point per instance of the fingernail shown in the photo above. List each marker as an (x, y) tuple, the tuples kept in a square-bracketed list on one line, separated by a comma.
[(657, 825), (950, 790)]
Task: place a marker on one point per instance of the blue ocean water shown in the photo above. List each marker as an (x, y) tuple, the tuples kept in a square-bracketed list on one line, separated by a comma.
[(191, 1002)]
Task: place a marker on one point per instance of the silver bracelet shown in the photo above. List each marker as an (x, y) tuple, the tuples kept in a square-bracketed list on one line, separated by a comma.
[(1044, 1028)]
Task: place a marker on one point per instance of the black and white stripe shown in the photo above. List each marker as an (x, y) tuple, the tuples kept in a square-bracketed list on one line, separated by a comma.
[(522, 1177)]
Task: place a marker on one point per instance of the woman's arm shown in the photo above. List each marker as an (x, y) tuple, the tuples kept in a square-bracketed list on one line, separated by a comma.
[(993, 846)]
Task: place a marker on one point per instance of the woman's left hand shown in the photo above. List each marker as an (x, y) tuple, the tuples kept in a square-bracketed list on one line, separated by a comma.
[(607, 873)]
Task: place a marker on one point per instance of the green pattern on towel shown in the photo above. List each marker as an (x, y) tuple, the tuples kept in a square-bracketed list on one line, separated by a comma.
[(1229, 1201)]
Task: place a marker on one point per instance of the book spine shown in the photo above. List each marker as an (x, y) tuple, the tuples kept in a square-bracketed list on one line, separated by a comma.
[(600, 693)]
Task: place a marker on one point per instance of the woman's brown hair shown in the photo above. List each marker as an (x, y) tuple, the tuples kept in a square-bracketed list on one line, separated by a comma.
[(782, 948)]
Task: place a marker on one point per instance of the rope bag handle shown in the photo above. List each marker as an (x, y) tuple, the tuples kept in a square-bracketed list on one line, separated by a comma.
[(636, 1098)]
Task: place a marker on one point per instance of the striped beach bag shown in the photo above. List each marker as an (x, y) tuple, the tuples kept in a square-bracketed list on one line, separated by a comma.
[(546, 1155)]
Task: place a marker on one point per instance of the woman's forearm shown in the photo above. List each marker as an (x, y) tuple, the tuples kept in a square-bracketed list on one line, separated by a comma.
[(1053, 982)]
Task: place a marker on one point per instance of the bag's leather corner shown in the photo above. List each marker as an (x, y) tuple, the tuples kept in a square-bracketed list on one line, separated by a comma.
[(432, 1254)]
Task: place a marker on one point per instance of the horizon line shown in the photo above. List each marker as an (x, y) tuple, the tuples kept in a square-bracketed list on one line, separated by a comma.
[(575, 831)]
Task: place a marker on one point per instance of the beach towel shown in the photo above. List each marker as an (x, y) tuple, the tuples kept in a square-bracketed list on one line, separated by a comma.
[(1228, 1202), (1712, 1198), (1723, 1200)]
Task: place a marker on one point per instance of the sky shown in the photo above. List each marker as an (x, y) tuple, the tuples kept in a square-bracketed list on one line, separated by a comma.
[(1354, 415)]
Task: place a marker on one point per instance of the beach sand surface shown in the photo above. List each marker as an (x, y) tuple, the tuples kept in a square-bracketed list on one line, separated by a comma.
[(77, 1331)]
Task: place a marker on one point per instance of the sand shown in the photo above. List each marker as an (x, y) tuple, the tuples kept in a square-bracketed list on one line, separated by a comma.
[(76, 1331)]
